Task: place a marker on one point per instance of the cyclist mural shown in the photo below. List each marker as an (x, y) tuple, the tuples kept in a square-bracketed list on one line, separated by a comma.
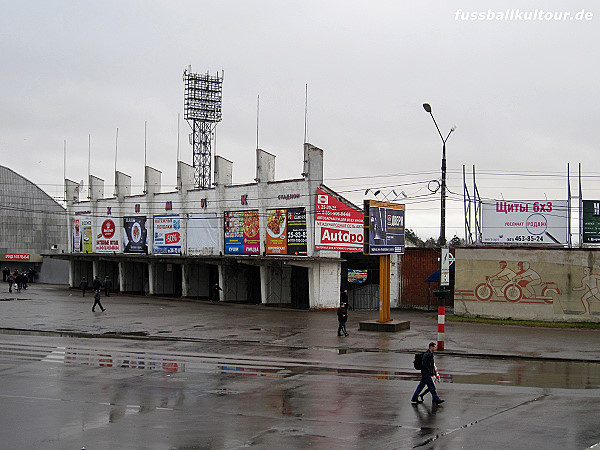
[(521, 285), (528, 284)]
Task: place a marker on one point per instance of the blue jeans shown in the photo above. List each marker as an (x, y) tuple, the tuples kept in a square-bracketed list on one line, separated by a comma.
[(426, 380)]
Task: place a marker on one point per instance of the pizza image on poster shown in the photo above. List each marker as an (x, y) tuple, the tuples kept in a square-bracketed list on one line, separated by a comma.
[(135, 235)]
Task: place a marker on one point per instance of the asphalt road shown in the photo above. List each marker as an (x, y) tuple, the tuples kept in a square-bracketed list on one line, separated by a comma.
[(61, 392)]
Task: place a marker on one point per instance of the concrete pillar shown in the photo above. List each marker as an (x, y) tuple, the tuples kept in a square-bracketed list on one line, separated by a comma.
[(122, 276), (95, 270), (264, 274), (184, 280), (151, 270)]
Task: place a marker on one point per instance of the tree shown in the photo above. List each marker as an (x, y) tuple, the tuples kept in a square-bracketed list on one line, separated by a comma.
[(411, 238)]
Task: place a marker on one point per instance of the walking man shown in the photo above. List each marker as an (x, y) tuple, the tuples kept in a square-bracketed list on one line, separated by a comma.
[(83, 286), (427, 374), (97, 301), (342, 314)]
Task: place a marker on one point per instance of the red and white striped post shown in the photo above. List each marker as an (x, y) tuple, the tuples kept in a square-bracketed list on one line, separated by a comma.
[(441, 325), (444, 283)]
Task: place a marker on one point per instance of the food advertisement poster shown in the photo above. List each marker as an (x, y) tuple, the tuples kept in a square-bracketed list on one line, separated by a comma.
[(135, 235), (338, 226), (107, 240), (167, 235), (76, 233), (242, 232), (286, 231), (202, 234), (86, 236), (524, 222)]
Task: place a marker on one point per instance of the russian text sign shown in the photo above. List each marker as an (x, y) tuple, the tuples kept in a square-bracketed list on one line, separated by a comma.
[(524, 222)]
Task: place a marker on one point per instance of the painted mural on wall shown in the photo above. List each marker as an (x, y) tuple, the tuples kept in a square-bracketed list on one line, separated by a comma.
[(522, 284)]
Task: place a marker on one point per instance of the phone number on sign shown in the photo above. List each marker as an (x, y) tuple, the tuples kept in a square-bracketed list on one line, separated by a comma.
[(526, 239)]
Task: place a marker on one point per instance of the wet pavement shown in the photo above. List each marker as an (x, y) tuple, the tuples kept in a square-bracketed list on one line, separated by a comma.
[(164, 373), (50, 309)]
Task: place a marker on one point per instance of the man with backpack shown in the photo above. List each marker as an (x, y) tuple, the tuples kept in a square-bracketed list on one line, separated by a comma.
[(427, 373)]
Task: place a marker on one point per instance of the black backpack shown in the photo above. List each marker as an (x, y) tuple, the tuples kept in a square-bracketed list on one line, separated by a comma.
[(418, 361)]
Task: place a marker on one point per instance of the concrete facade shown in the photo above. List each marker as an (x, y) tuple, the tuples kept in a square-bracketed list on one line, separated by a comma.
[(302, 281), (32, 224), (528, 283)]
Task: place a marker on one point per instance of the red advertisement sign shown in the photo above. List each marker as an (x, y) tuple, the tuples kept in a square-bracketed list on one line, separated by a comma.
[(17, 256), (338, 226), (107, 241)]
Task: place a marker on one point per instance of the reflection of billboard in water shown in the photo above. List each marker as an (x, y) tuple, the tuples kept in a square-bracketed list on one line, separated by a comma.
[(384, 228), (357, 276)]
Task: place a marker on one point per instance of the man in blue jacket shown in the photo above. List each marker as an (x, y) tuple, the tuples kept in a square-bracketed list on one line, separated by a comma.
[(427, 374)]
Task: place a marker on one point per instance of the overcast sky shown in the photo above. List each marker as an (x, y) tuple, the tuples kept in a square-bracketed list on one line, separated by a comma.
[(524, 94)]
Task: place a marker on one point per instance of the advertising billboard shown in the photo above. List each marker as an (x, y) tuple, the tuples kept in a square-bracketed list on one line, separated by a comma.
[(202, 234), (357, 276), (167, 235), (242, 232), (591, 222), (86, 236), (524, 222), (383, 228), (338, 226), (107, 240), (286, 231), (76, 235), (135, 235)]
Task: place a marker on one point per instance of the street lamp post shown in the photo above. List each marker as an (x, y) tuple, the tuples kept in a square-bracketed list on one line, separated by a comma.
[(442, 239)]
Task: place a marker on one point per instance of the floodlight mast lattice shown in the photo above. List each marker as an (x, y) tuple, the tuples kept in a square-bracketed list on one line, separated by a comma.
[(202, 110)]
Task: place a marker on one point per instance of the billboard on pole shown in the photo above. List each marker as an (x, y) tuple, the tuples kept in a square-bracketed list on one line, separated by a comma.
[(525, 222), (383, 228)]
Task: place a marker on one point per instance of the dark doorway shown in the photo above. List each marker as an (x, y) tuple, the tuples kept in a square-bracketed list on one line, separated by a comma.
[(300, 294), (82, 269), (110, 269), (364, 294), (168, 280), (136, 278), (253, 285)]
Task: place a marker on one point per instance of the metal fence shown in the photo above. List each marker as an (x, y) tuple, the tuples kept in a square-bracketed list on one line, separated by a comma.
[(364, 297)]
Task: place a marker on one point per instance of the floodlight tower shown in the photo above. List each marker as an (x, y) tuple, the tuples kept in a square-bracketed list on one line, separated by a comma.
[(202, 110)]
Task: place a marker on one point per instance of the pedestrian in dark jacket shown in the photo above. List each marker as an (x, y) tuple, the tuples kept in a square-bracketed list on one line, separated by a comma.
[(10, 279), (107, 286), (17, 280), (5, 273), (96, 284), (428, 372), (214, 292), (23, 280), (97, 301), (342, 314), (83, 286)]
